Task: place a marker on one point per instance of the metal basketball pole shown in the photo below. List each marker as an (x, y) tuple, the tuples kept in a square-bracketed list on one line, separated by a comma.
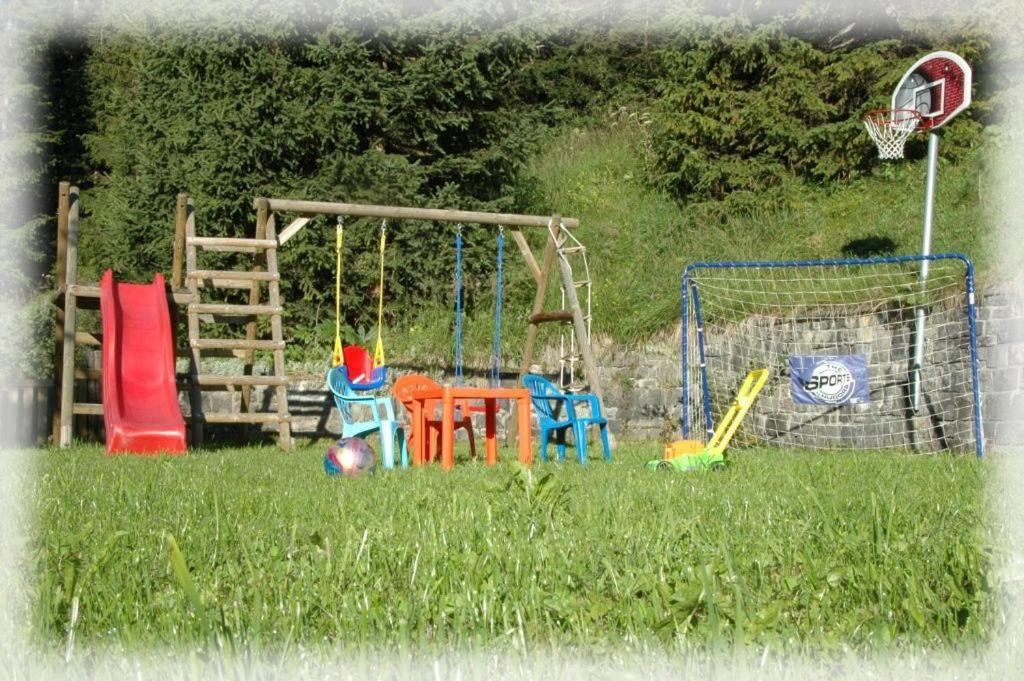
[(926, 249)]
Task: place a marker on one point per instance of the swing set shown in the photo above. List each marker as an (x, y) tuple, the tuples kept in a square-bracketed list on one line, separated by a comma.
[(369, 372), (364, 371)]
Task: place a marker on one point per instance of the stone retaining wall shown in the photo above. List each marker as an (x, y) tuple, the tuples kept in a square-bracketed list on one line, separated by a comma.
[(642, 385)]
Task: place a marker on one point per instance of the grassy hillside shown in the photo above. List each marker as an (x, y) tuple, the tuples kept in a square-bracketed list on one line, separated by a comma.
[(639, 240)]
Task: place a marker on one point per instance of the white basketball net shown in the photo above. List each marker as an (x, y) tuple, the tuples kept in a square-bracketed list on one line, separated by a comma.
[(890, 128)]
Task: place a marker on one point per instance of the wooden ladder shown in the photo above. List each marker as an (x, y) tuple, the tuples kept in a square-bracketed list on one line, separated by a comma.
[(560, 245), (569, 350), (200, 281)]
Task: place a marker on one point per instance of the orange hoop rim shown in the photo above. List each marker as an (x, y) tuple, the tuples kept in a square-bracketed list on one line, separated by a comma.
[(886, 118)]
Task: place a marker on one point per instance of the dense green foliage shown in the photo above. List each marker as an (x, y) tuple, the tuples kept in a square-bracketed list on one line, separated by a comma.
[(745, 108), (744, 115), (393, 118), (800, 551)]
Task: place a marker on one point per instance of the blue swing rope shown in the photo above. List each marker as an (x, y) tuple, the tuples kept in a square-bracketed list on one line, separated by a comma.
[(458, 305), (496, 339)]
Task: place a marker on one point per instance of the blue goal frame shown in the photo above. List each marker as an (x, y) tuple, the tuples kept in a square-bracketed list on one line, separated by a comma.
[(689, 284)]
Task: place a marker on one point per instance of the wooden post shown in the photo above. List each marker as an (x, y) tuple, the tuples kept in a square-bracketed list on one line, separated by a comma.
[(524, 248), (542, 277), (179, 241), (195, 394), (277, 333), (63, 191), (550, 250), (67, 386), (262, 215)]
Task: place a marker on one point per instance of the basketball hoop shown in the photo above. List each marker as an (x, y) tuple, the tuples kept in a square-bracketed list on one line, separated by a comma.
[(890, 128)]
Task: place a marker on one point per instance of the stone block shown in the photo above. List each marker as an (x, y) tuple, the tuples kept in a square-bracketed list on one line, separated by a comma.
[(1007, 433), (994, 300), (995, 356), (1006, 380)]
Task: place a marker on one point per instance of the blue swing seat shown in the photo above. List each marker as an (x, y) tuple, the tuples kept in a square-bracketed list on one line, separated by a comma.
[(548, 402)]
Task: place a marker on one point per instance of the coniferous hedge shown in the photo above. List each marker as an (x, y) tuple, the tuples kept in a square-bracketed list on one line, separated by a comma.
[(407, 113), (747, 108)]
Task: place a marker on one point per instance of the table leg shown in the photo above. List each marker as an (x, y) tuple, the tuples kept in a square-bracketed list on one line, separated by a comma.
[(490, 409), (417, 433), (447, 430), (525, 444)]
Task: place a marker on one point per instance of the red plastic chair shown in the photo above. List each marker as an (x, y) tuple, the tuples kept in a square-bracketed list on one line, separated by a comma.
[(404, 388), (363, 375)]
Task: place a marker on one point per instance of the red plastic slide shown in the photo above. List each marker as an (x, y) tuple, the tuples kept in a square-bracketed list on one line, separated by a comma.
[(140, 398)]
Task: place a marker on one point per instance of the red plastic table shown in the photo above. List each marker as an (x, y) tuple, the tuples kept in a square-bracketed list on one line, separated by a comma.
[(489, 396)]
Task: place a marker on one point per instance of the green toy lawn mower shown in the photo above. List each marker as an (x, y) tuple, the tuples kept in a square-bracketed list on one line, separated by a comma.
[(694, 455)]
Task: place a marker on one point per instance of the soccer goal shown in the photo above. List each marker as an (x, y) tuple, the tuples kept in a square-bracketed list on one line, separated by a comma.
[(839, 338)]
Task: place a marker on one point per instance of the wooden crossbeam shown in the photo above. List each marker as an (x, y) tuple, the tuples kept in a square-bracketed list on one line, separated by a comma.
[(234, 309), (556, 316), (365, 210), (84, 292), (230, 243), (524, 248), (235, 344), (212, 380), (243, 417), (292, 229), (86, 338), (243, 275)]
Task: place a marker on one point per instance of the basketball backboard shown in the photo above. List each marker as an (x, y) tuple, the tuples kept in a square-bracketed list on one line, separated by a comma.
[(937, 86)]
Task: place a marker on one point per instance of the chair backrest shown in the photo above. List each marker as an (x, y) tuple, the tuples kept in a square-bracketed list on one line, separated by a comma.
[(359, 363), (405, 386), (540, 390), (337, 381)]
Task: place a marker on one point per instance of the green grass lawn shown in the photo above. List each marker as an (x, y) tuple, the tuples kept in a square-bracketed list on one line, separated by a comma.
[(801, 551)]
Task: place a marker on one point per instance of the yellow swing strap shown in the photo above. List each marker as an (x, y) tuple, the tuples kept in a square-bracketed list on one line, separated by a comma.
[(338, 357), (378, 351)]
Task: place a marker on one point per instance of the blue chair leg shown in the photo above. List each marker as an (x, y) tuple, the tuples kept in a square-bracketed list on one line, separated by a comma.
[(561, 445), (387, 445), (544, 444), (400, 434), (581, 441), (604, 441)]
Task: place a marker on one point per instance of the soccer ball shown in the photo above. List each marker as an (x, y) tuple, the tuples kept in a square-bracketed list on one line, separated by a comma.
[(350, 456)]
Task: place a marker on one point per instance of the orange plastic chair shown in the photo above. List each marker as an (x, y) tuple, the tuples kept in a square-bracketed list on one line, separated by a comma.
[(403, 389)]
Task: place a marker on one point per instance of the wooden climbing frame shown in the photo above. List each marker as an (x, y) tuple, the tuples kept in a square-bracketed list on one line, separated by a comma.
[(191, 284), (556, 226)]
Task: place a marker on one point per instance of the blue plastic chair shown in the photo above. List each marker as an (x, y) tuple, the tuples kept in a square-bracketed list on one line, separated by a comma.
[(548, 403), (382, 414)]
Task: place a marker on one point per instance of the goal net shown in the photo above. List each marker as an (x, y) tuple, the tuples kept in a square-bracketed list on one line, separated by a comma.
[(862, 353)]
